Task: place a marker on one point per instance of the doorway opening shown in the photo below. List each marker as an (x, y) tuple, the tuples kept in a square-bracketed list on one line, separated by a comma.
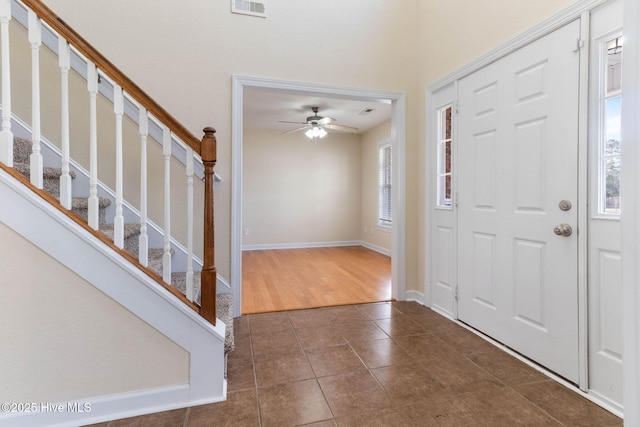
[(308, 94)]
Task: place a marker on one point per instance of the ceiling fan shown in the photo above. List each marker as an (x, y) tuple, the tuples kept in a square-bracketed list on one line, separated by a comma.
[(316, 126)]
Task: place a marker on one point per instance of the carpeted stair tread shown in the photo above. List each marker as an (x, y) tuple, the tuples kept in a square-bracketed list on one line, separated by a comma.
[(47, 171), (83, 202), (129, 230), (80, 205), (155, 259), (179, 281)]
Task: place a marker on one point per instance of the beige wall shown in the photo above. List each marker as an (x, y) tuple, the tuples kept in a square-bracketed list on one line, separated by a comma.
[(69, 341), (188, 68), (369, 230), (397, 45), (299, 191)]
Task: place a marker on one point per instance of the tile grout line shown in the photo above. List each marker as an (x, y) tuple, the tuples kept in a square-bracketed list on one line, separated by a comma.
[(253, 366), (315, 375)]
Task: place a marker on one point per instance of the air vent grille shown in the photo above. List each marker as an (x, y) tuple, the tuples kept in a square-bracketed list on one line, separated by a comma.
[(248, 7)]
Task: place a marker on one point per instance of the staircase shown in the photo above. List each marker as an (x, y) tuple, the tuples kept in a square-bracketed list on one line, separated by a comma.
[(22, 149), (151, 258)]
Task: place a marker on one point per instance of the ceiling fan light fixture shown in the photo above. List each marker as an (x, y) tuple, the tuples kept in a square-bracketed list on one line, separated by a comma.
[(316, 132)]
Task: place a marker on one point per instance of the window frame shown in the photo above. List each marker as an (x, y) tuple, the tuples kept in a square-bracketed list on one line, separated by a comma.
[(444, 157), (385, 186), (604, 96)]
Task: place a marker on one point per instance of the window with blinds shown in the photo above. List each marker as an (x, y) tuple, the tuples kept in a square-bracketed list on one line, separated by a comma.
[(384, 185)]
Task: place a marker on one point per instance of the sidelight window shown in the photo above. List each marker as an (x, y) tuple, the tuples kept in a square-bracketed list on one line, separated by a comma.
[(609, 146), (444, 184)]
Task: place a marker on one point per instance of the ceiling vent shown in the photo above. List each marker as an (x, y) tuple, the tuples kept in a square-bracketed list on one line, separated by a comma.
[(248, 7)]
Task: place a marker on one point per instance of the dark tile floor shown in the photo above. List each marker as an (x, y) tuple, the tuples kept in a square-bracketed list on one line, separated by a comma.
[(384, 364)]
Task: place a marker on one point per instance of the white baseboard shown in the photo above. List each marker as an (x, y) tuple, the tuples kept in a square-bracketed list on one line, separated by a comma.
[(376, 248), (415, 296), (269, 246), (105, 408)]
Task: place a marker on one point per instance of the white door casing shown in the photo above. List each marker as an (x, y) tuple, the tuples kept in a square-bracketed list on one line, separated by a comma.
[(517, 160)]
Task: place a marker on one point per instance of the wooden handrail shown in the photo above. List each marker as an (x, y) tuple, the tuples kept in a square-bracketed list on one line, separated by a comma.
[(84, 47), (208, 276)]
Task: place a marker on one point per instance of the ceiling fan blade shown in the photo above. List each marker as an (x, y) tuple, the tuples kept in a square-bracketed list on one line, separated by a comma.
[(297, 123), (326, 120), (341, 128), (294, 130)]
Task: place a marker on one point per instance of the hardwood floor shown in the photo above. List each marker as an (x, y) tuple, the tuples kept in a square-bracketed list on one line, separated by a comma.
[(290, 279)]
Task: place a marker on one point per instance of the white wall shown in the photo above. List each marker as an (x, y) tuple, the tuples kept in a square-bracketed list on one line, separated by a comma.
[(69, 341), (300, 191)]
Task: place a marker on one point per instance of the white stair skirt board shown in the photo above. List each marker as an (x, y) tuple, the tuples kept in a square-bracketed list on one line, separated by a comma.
[(62, 238)]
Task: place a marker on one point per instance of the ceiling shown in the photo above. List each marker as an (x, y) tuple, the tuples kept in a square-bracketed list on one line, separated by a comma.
[(264, 108)]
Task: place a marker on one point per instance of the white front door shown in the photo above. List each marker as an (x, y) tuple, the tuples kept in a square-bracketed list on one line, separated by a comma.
[(518, 181)]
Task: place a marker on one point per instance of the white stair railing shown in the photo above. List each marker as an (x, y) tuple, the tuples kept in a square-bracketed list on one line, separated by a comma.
[(93, 201), (189, 276), (118, 221), (64, 62), (43, 26), (166, 256), (143, 239), (35, 38), (6, 136)]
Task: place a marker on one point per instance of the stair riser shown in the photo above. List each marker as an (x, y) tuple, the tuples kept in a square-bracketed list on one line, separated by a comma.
[(131, 244), (21, 150), (52, 186), (84, 214)]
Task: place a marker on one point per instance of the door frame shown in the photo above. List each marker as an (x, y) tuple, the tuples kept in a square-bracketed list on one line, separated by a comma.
[(629, 219), (398, 191), (580, 10)]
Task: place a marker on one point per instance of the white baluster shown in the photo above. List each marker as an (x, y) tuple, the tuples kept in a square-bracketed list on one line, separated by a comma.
[(35, 38), (189, 278), (6, 136), (143, 247), (118, 222), (92, 86), (166, 256), (64, 61)]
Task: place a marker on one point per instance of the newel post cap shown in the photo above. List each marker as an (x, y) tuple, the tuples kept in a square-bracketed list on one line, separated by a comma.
[(208, 148)]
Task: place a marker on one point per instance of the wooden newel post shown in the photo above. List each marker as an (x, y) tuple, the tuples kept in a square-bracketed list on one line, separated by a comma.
[(208, 277)]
